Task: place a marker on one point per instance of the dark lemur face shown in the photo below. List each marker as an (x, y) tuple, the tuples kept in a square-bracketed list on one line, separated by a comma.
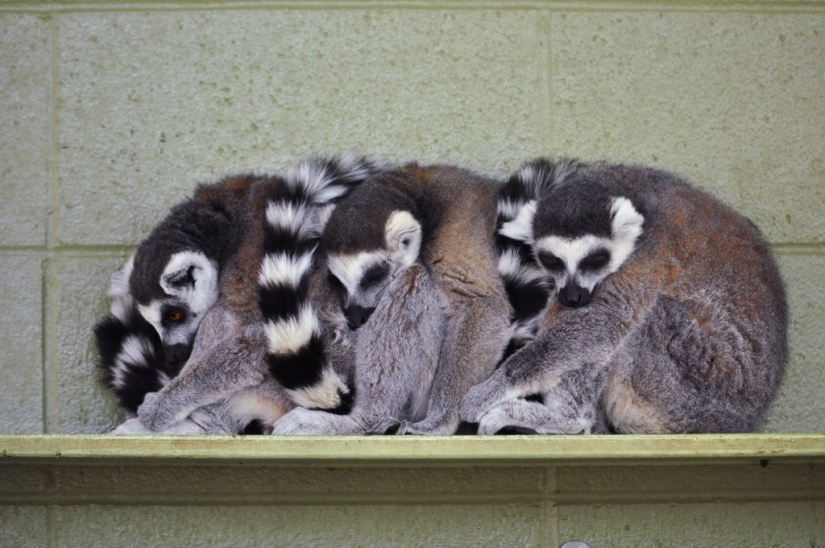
[(179, 299), (579, 235), (360, 278)]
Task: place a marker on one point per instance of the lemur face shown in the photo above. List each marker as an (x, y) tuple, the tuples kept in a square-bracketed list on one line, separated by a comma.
[(361, 278), (578, 263), (190, 286)]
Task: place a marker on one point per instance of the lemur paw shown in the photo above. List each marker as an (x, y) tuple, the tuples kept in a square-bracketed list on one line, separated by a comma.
[(424, 428), (301, 422), (496, 420), (493, 421), (480, 399), (131, 426), (153, 414), (387, 425)]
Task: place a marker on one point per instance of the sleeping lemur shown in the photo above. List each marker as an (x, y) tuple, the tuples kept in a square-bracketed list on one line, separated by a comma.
[(668, 312), (194, 281)]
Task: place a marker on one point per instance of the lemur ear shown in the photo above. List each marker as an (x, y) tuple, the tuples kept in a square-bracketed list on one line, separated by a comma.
[(183, 277), (119, 282), (521, 228), (186, 270), (403, 236), (626, 222)]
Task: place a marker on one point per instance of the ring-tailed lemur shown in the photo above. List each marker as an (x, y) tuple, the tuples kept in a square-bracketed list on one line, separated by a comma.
[(196, 274), (133, 364), (524, 280), (669, 313), (385, 302), (436, 222)]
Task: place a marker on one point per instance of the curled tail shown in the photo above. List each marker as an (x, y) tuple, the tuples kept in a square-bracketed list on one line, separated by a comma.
[(524, 280), (132, 362), (295, 217)]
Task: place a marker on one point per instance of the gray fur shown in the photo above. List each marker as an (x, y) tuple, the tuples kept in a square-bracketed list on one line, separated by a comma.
[(688, 334), (465, 313), (227, 364), (395, 362), (226, 383)]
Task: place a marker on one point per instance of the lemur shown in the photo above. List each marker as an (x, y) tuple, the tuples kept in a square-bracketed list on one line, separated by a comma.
[(385, 302), (196, 274), (524, 280), (133, 364), (425, 234), (668, 313)]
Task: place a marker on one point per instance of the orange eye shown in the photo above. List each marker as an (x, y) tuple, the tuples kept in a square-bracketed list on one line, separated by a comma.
[(174, 316)]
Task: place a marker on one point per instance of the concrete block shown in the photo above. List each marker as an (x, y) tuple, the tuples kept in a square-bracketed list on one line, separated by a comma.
[(781, 524), (22, 480), (21, 358), (733, 101), (83, 405), (288, 486), (352, 525), (800, 406), (25, 128), (153, 102), (660, 484), (24, 526)]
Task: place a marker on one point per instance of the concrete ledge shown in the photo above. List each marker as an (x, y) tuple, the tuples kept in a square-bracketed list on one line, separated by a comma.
[(389, 451)]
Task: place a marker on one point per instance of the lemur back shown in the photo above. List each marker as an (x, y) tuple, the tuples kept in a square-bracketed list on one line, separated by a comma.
[(668, 315)]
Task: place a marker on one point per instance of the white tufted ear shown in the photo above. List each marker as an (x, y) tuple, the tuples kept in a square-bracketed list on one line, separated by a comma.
[(626, 225), (521, 228), (403, 235), (119, 282), (119, 291), (193, 278)]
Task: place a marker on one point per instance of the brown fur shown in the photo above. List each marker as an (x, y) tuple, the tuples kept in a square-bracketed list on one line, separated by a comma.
[(688, 335)]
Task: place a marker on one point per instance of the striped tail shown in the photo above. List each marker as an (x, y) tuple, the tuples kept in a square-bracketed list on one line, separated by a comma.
[(524, 279), (296, 214), (132, 362)]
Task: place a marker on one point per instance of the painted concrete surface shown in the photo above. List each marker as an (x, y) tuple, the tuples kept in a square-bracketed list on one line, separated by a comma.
[(111, 112), (173, 504)]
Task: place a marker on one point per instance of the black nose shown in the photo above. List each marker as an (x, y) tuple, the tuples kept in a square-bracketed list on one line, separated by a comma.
[(574, 296), (177, 354), (357, 316)]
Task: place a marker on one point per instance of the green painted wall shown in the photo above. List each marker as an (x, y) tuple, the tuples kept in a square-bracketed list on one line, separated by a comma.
[(111, 111)]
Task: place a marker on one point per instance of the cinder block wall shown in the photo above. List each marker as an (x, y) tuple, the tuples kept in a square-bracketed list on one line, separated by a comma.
[(111, 111)]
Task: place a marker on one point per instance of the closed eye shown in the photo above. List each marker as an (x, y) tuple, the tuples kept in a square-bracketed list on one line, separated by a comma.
[(550, 261), (374, 275), (336, 284), (595, 261)]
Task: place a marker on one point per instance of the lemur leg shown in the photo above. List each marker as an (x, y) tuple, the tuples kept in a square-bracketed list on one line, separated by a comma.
[(477, 334), (313, 422), (569, 408), (395, 362), (676, 376), (235, 363), (206, 420), (570, 339)]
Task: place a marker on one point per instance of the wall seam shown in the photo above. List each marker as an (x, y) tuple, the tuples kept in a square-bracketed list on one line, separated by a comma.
[(548, 507), (49, 298), (547, 77), (52, 518), (324, 5)]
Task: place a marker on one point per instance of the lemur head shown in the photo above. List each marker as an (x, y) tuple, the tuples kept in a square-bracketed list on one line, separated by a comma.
[(175, 271), (371, 237), (580, 232)]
